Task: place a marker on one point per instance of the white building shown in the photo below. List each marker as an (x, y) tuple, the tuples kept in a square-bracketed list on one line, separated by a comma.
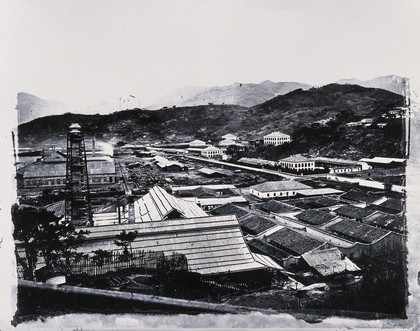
[(230, 136), (227, 142), (278, 189), (197, 143), (276, 138), (297, 162), (211, 152)]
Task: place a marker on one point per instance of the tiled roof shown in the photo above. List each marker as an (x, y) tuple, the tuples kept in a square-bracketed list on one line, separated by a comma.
[(354, 195), (329, 262), (229, 209), (208, 171), (315, 202), (260, 246), (389, 222), (278, 207), (394, 204), (212, 244), (284, 185), (314, 217), (164, 162), (293, 242), (254, 224), (354, 212), (357, 231), (157, 205)]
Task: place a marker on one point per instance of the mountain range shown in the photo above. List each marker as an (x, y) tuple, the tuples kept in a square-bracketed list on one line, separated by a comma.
[(30, 107), (298, 113)]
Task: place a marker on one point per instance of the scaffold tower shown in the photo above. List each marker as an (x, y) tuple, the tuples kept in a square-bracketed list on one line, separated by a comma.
[(78, 207)]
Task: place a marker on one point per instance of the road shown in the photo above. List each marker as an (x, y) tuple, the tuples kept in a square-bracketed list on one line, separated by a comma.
[(238, 166)]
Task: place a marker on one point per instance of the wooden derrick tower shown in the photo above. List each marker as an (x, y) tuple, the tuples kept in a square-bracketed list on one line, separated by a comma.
[(78, 207)]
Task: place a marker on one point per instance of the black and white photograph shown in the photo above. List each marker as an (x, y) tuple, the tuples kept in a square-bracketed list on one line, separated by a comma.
[(210, 164)]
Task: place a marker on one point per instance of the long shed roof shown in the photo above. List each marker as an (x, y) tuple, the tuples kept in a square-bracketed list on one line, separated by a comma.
[(212, 244)]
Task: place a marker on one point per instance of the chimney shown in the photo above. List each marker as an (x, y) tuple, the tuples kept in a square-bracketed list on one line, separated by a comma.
[(93, 145)]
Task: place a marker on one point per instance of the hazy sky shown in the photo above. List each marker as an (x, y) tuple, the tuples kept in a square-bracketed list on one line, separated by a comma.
[(87, 51)]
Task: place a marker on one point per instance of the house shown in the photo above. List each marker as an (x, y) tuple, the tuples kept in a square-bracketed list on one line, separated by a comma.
[(352, 124), (330, 263), (274, 207), (51, 173), (208, 198), (367, 121), (215, 173), (276, 138), (315, 217), (230, 136), (197, 143), (354, 212), (167, 165), (256, 162), (159, 205), (298, 163), (254, 224), (384, 162), (293, 242), (278, 189), (212, 152), (227, 143), (341, 165)]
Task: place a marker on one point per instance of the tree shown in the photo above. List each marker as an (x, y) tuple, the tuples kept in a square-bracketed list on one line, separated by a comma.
[(42, 233), (124, 239)]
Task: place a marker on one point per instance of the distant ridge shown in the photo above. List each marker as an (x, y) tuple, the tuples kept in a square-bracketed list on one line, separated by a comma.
[(392, 83), (241, 94)]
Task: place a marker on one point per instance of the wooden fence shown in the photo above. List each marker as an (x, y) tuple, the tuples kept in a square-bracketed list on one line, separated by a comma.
[(92, 266)]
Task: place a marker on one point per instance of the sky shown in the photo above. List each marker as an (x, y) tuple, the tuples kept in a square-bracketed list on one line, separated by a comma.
[(89, 51)]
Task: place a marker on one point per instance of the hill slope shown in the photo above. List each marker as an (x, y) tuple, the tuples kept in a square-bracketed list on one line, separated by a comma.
[(294, 113)]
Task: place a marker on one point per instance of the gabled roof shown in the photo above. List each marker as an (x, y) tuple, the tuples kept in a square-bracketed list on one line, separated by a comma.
[(227, 142), (158, 204), (314, 217), (164, 162), (382, 160), (208, 171), (197, 142), (351, 211), (277, 207), (355, 195), (293, 242), (212, 244), (277, 134), (329, 262), (230, 209), (387, 221), (254, 224), (203, 191), (284, 185), (357, 231)]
